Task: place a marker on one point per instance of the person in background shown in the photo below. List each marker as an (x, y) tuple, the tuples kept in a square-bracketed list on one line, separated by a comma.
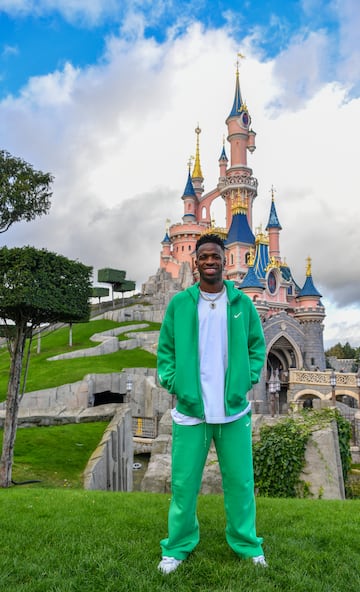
[(211, 352)]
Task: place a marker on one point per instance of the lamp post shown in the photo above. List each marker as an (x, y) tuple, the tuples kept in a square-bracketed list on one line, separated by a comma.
[(272, 391), (277, 391), (333, 386), (129, 386), (358, 384)]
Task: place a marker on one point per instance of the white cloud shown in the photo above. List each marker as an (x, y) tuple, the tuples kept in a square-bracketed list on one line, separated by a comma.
[(117, 137), (72, 10)]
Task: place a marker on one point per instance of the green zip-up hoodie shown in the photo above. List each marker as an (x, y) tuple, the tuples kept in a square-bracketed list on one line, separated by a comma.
[(178, 351)]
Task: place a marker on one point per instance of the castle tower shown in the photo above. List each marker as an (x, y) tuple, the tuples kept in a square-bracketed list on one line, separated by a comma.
[(239, 179), (311, 313)]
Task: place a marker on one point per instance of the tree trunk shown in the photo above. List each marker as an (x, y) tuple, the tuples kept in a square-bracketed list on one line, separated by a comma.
[(12, 405)]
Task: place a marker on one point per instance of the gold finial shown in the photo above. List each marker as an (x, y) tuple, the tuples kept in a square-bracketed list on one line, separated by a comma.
[(272, 191), (197, 173), (308, 266), (251, 257), (273, 263), (242, 57), (260, 236)]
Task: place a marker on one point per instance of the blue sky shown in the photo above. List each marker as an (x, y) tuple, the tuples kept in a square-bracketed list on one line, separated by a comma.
[(35, 42), (106, 94)]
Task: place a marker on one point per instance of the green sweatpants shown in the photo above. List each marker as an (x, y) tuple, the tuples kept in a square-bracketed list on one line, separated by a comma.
[(190, 446)]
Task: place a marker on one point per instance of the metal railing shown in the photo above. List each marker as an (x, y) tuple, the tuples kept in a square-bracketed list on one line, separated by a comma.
[(145, 427)]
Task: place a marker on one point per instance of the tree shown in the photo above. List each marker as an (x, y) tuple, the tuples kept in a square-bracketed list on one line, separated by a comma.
[(116, 278), (24, 192), (36, 286)]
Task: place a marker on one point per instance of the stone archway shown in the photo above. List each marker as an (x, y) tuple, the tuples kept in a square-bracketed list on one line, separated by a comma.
[(283, 354)]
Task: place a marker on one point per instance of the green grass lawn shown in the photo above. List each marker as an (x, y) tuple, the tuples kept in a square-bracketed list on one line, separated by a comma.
[(55, 455), (63, 540), (46, 374)]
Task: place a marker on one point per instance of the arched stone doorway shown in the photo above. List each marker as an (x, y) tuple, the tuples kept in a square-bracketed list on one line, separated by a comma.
[(283, 355)]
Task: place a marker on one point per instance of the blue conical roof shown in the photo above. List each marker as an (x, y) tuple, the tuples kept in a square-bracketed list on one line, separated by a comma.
[(189, 188), (273, 218), (309, 289), (240, 231), (235, 110), (166, 238), (223, 155)]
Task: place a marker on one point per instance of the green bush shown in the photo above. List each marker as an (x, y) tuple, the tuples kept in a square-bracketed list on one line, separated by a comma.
[(279, 455)]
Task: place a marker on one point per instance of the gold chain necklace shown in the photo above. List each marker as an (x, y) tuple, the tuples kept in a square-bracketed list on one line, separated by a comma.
[(212, 300)]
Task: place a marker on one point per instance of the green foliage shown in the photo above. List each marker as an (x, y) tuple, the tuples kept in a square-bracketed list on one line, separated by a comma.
[(111, 276), (279, 458), (24, 192), (40, 286), (344, 433), (279, 455), (343, 352)]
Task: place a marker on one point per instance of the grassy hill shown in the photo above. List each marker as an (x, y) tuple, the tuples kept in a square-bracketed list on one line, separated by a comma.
[(46, 374)]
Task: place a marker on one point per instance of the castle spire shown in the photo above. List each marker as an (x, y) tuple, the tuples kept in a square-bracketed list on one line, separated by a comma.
[(236, 108), (273, 217), (308, 288), (223, 157), (197, 173)]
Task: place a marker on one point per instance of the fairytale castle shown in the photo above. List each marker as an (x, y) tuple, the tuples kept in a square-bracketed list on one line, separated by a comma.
[(292, 315)]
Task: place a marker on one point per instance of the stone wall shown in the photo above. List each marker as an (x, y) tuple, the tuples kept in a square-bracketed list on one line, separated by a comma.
[(322, 473), (111, 464)]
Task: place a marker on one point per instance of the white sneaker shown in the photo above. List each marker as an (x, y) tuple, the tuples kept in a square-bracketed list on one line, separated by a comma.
[(169, 564), (260, 560)]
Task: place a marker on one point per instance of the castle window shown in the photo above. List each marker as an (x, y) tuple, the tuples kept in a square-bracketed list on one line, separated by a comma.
[(203, 213), (182, 248), (231, 259)]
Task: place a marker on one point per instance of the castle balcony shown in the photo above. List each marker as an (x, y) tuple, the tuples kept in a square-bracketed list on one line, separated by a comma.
[(329, 386), (235, 182)]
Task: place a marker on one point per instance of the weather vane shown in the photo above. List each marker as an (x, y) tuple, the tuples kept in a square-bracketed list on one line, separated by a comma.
[(242, 57)]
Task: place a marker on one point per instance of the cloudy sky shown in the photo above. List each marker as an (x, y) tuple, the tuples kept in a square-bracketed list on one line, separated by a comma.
[(106, 94)]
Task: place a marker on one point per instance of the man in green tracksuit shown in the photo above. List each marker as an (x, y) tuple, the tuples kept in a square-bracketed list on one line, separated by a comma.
[(211, 351)]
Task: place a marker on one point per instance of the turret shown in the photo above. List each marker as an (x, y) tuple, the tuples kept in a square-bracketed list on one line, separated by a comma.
[(273, 228), (311, 313), (241, 138), (223, 161), (190, 200)]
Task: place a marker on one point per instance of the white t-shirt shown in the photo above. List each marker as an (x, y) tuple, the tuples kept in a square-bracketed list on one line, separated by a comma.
[(213, 356)]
